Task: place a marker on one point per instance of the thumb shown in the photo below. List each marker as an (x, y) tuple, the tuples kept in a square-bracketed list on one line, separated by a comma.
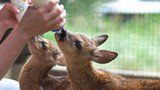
[(11, 8)]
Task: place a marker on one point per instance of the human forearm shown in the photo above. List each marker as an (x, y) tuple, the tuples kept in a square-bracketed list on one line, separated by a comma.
[(2, 30), (10, 49)]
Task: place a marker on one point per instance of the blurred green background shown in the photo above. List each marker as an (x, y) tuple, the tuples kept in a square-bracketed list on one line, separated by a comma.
[(136, 39)]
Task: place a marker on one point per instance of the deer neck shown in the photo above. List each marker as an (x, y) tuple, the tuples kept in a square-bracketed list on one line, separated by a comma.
[(39, 67), (81, 74)]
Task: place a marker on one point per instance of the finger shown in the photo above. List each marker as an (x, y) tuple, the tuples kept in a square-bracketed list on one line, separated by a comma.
[(53, 14), (30, 2), (49, 7), (64, 14), (11, 8), (56, 22), (60, 25), (63, 23)]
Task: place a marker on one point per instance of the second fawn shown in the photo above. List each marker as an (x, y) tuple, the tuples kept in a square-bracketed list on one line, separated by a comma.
[(79, 51), (34, 74)]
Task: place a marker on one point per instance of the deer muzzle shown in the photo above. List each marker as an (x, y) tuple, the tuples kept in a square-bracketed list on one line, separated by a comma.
[(62, 34)]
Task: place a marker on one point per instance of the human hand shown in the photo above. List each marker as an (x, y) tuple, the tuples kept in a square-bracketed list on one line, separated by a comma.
[(37, 21), (7, 16)]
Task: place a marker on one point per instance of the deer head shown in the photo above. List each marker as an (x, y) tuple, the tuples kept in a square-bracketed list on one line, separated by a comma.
[(80, 47), (41, 47)]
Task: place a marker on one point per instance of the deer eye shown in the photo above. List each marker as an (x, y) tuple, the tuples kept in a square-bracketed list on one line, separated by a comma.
[(43, 45), (77, 43)]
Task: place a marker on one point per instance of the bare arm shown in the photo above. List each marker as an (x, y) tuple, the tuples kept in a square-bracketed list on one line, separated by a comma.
[(2, 30), (7, 49), (10, 49)]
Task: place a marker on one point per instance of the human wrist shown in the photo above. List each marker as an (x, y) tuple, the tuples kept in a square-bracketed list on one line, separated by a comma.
[(19, 32), (2, 26)]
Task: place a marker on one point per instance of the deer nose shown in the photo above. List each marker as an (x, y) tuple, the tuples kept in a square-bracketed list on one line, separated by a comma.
[(63, 31), (62, 34)]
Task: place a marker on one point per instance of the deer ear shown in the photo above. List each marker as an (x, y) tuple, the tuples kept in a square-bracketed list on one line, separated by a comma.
[(100, 39), (60, 60), (104, 56), (32, 46)]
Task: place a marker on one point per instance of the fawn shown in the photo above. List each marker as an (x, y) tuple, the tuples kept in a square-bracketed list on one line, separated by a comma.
[(79, 51), (34, 74)]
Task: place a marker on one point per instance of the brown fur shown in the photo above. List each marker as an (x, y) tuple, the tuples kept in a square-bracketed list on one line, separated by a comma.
[(34, 74), (83, 76)]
